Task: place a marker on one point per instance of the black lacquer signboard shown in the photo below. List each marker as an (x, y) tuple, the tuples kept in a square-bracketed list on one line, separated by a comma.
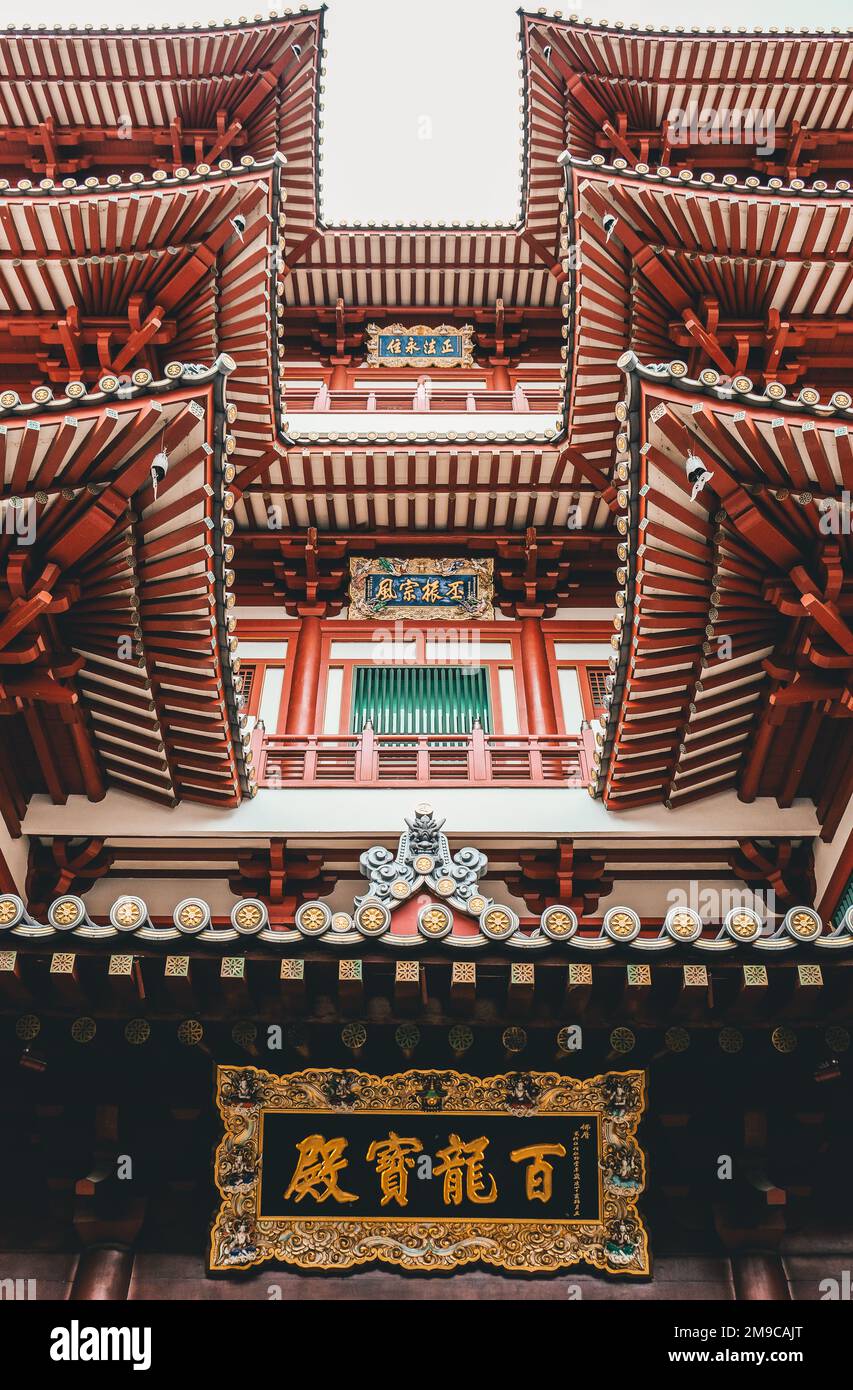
[(429, 1170)]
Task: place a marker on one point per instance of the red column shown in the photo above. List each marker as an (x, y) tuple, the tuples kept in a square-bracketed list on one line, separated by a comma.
[(339, 379), (500, 373), (757, 756), (541, 714), (760, 1276), (305, 682), (102, 1273)]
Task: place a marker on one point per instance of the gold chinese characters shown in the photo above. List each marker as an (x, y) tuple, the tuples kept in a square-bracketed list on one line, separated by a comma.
[(393, 1158), (460, 1160), (539, 1178), (461, 1164), (316, 1175)]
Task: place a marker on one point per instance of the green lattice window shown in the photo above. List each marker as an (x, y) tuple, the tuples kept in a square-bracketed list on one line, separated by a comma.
[(420, 699)]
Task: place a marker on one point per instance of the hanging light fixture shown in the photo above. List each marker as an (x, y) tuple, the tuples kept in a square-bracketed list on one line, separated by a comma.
[(697, 474), (159, 469)]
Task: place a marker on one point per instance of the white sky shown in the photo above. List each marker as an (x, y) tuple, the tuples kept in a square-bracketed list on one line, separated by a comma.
[(421, 103)]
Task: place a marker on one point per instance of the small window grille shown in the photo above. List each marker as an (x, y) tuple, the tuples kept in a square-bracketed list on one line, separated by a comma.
[(248, 674), (597, 689)]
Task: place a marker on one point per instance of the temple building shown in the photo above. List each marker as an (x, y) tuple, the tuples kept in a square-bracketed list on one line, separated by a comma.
[(426, 650)]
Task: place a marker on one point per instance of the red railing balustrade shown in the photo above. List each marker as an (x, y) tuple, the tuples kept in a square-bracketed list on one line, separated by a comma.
[(369, 759)]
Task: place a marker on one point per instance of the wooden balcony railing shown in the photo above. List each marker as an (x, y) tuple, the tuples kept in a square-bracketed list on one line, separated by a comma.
[(538, 400), (477, 759)]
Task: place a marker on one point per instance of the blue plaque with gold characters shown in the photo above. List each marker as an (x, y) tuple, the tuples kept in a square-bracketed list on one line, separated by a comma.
[(421, 590), (429, 1170), (420, 346), (388, 587)]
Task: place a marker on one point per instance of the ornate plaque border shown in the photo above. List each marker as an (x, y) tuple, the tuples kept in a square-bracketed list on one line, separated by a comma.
[(360, 607), (616, 1244), (465, 332)]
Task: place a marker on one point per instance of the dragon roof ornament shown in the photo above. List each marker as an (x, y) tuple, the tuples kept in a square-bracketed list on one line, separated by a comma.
[(423, 858)]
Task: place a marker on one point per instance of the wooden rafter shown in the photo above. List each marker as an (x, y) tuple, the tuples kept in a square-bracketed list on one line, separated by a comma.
[(108, 621), (740, 648)]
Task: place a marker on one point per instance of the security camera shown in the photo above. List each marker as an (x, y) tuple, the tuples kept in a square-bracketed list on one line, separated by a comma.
[(697, 474), (238, 222), (159, 469), (608, 222)]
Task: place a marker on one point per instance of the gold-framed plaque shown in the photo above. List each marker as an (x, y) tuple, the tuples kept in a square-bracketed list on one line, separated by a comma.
[(389, 587), (420, 346), (429, 1170)]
